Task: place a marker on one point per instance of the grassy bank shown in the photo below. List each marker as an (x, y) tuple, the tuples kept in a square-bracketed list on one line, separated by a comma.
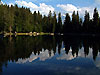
[(30, 34)]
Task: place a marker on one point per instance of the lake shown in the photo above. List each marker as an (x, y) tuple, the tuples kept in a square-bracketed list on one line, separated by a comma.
[(49, 55)]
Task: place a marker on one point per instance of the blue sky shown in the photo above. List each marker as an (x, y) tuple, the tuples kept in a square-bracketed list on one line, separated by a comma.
[(63, 6), (55, 2)]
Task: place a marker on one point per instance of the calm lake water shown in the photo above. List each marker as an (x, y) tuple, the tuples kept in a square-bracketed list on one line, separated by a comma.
[(50, 55)]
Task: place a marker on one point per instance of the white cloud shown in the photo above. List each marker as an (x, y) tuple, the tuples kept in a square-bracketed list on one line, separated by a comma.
[(64, 56), (43, 8), (97, 1), (44, 55), (69, 8), (69, 56), (65, 8), (10, 4)]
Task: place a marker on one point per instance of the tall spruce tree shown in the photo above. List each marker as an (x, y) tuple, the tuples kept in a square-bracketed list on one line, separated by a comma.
[(86, 22), (54, 20), (1, 19), (59, 24), (95, 20), (77, 23), (67, 24), (95, 17), (50, 25), (73, 21), (39, 21), (13, 18)]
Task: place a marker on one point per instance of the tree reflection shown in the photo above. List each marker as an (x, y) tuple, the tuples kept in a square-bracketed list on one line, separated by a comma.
[(23, 46)]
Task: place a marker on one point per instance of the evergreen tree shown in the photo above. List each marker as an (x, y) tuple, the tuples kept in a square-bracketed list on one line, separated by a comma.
[(75, 22), (67, 24), (95, 17), (11, 18), (1, 19), (50, 24), (80, 25), (39, 22), (95, 20), (44, 23), (86, 22), (6, 18), (77, 18), (35, 20), (59, 24), (73, 17), (80, 22), (21, 19), (54, 20)]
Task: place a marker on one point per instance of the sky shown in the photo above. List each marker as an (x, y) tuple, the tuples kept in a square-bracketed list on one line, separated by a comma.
[(63, 6)]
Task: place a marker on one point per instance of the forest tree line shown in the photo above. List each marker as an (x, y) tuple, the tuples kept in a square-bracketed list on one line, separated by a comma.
[(21, 19)]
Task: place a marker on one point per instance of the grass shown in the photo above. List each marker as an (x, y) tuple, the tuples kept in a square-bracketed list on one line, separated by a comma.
[(30, 34)]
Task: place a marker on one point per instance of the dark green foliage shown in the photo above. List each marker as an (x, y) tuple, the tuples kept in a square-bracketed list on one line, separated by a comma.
[(75, 22), (86, 22), (54, 20), (16, 19), (49, 22), (59, 24), (88, 26), (95, 20), (67, 24), (95, 17), (22, 20)]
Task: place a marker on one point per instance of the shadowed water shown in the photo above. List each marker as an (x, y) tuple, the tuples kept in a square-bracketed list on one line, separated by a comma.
[(50, 55)]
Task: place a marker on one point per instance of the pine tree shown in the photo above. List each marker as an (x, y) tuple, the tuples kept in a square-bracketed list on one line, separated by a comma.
[(95, 21), (73, 21), (59, 24), (39, 21), (54, 20), (50, 24), (86, 22), (77, 23), (95, 17), (67, 24), (11, 18)]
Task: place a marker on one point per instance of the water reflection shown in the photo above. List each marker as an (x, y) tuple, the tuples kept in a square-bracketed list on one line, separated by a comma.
[(23, 49)]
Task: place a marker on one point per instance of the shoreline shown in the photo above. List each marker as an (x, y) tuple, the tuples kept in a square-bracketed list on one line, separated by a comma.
[(25, 34), (52, 34)]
